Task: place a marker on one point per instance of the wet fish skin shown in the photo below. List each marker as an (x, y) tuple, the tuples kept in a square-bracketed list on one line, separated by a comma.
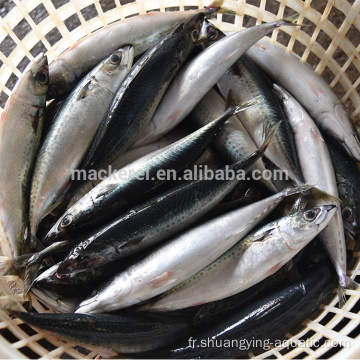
[(184, 257), (21, 126), (130, 156), (142, 32), (268, 318), (247, 80), (159, 219), (199, 73), (348, 184), (317, 169), (233, 142), (53, 166), (259, 255), (312, 91), (115, 194), (122, 333), (137, 99)]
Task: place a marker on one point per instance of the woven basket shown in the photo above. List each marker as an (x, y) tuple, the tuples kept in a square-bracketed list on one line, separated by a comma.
[(330, 44)]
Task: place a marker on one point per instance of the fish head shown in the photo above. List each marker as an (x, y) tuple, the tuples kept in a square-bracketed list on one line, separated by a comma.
[(351, 218), (210, 32), (116, 66), (340, 124), (306, 224), (37, 84), (186, 35)]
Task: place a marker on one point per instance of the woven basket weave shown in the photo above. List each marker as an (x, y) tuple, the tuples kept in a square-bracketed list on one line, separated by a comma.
[(330, 44)]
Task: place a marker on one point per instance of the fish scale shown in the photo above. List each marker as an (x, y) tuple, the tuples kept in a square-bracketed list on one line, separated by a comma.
[(20, 133), (161, 217), (73, 129), (257, 256), (179, 258), (246, 80)]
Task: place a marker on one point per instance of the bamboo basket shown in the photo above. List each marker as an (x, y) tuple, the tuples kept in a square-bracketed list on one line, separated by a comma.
[(330, 44)]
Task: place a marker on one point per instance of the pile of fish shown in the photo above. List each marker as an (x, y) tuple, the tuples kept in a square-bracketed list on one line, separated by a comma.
[(152, 265)]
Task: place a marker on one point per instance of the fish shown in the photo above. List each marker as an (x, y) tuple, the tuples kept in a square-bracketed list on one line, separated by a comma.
[(262, 322), (348, 185), (121, 333), (142, 32), (317, 169), (21, 126), (119, 192), (247, 80), (159, 218), (312, 91), (139, 95), (254, 258), (233, 142), (128, 157), (74, 128), (207, 313), (199, 74), (179, 258)]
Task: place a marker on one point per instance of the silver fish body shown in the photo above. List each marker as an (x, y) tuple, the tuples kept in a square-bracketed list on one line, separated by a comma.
[(317, 169), (74, 128), (179, 258), (259, 255), (142, 32), (311, 90), (233, 142), (20, 131), (246, 80), (200, 74)]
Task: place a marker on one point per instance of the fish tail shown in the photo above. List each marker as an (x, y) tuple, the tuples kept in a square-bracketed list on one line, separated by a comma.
[(215, 6), (352, 284), (16, 265), (269, 135), (298, 189), (13, 307), (31, 272), (290, 21), (247, 104), (341, 296)]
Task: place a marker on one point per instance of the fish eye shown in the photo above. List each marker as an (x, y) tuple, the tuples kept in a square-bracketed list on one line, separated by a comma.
[(213, 34), (310, 215), (115, 59), (67, 220), (42, 77), (195, 35), (347, 213)]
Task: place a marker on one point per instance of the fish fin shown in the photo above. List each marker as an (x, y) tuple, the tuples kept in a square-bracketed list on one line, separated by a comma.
[(261, 237), (352, 284), (299, 204), (298, 189), (108, 189), (341, 296), (269, 134), (231, 100), (131, 244), (215, 6), (248, 104), (291, 20), (31, 272), (15, 265), (13, 307)]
